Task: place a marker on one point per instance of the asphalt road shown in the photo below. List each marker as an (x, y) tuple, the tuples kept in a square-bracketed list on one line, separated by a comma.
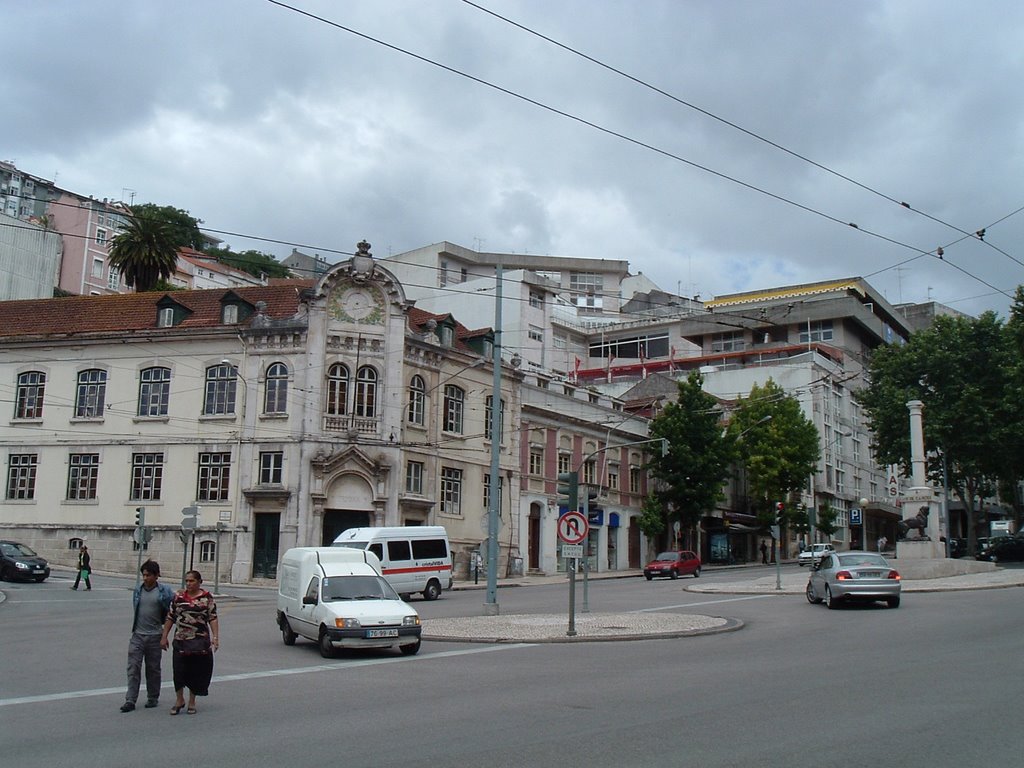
[(931, 684)]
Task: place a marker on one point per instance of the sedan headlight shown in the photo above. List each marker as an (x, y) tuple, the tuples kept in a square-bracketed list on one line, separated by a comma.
[(21, 566), (342, 623), (411, 621)]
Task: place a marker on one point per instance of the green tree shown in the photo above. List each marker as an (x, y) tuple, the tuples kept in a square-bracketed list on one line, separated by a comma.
[(184, 227), (777, 444), (255, 263), (962, 370), (692, 472), (145, 251), (826, 520)]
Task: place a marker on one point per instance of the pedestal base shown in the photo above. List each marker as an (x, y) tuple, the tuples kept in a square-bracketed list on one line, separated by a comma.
[(920, 549)]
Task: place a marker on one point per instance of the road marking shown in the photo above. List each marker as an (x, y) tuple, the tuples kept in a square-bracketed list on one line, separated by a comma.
[(705, 602), (339, 666)]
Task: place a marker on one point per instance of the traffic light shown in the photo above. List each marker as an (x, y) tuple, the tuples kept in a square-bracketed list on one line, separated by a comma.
[(594, 512), (780, 513), (569, 490), (140, 517)]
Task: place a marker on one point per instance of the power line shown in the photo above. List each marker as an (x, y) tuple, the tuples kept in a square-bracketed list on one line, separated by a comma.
[(607, 131), (978, 234)]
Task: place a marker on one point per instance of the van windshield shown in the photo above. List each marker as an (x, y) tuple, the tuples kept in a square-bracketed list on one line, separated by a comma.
[(351, 544), (357, 588)]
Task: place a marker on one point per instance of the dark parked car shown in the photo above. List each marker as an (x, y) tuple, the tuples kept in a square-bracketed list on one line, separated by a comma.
[(673, 564), (1003, 549), (18, 562)]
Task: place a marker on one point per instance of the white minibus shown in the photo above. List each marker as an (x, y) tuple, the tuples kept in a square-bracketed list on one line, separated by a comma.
[(413, 558)]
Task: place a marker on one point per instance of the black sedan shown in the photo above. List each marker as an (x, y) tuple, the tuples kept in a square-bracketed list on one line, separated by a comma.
[(1002, 549), (20, 563)]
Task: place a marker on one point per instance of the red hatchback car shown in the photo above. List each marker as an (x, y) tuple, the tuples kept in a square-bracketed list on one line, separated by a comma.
[(673, 564)]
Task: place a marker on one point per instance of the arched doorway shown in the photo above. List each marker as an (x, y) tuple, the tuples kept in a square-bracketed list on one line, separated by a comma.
[(349, 504)]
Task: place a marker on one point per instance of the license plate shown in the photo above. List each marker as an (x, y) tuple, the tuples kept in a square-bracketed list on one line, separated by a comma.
[(870, 574), (382, 633), (39, 570)]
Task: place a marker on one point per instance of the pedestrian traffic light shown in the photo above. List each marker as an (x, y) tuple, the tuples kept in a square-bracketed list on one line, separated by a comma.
[(569, 490), (140, 517), (780, 513)]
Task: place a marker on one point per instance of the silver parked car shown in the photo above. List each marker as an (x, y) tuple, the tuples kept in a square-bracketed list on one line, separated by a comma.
[(849, 576)]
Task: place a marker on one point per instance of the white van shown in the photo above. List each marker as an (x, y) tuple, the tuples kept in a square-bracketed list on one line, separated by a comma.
[(339, 599), (413, 558)]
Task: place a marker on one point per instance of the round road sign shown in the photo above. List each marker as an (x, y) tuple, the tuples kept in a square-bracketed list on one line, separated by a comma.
[(573, 527)]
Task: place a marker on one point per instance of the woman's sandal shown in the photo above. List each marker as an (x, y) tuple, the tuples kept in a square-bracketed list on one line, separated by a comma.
[(191, 710), (177, 708)]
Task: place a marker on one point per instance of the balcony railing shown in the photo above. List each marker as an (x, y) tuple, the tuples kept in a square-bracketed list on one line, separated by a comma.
[(363, 425)]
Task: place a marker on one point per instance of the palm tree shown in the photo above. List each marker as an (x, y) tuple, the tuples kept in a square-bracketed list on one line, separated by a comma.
[(145, 251)]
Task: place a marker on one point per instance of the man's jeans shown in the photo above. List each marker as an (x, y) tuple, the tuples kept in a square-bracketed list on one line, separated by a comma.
[(144, 647)]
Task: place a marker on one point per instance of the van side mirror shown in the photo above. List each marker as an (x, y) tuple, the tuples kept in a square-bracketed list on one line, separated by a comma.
[(309, 600)]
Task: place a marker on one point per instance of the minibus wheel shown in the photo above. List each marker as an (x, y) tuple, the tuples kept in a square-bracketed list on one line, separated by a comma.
[(326, 649), (433, 590)]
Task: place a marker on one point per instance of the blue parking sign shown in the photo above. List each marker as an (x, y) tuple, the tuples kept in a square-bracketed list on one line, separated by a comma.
[(855, 516)]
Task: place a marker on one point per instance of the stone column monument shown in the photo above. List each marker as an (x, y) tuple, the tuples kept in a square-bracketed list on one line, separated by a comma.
[(920, 526)]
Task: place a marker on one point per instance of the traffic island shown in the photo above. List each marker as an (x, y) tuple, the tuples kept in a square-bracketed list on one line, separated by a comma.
[(590, 627)]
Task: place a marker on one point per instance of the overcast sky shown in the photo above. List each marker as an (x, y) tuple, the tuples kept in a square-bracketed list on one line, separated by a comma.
[(262, 121)]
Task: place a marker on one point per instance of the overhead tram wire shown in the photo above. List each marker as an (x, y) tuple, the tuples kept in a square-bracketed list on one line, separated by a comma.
[(978, 234), (608, 131), (604, 294)]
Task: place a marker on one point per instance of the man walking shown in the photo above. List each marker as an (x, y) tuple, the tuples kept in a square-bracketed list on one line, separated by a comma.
[(151, 601), (764, 553)]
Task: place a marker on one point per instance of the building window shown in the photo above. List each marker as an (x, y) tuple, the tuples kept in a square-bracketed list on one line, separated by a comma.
[(97, 268), (820, 330), (154, 391), (454, 401), (207, 551), (730, 341), (537, 461), (91, 393), (564, 463), (147, 476), (417, 400), (101, 236), (271, 467), (487, 418), (230, 314), (214, 475), (275, 393), (535, 335), (634, 479), (414, 477), (165, 317), (221, 386), (589, 472), (536, 299), (366, 392), (29, 399), (487, 488), (113, 278), (613, 477), (83, 474), (21, 475), (337, 390), (451, 491)]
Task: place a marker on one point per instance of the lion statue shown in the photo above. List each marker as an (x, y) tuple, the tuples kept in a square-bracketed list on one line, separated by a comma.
[(918, 523)]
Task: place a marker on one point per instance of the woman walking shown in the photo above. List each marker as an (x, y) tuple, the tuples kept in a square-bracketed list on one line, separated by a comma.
[(84, 569), (195, 641)]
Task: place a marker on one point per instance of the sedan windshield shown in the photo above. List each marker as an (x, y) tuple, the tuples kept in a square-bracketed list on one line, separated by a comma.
[(18, 550), (668, 556)]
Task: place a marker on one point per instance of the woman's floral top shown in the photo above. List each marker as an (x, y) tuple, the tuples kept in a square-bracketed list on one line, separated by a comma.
[(192, 615)]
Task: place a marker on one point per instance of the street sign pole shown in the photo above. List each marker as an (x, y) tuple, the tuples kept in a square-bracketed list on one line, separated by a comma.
[(572, 600), (586, 553), (573, 529)]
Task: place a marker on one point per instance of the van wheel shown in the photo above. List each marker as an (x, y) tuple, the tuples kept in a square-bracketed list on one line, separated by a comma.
[(326, 649), (433, 591), (410, 650), (287, 634)]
